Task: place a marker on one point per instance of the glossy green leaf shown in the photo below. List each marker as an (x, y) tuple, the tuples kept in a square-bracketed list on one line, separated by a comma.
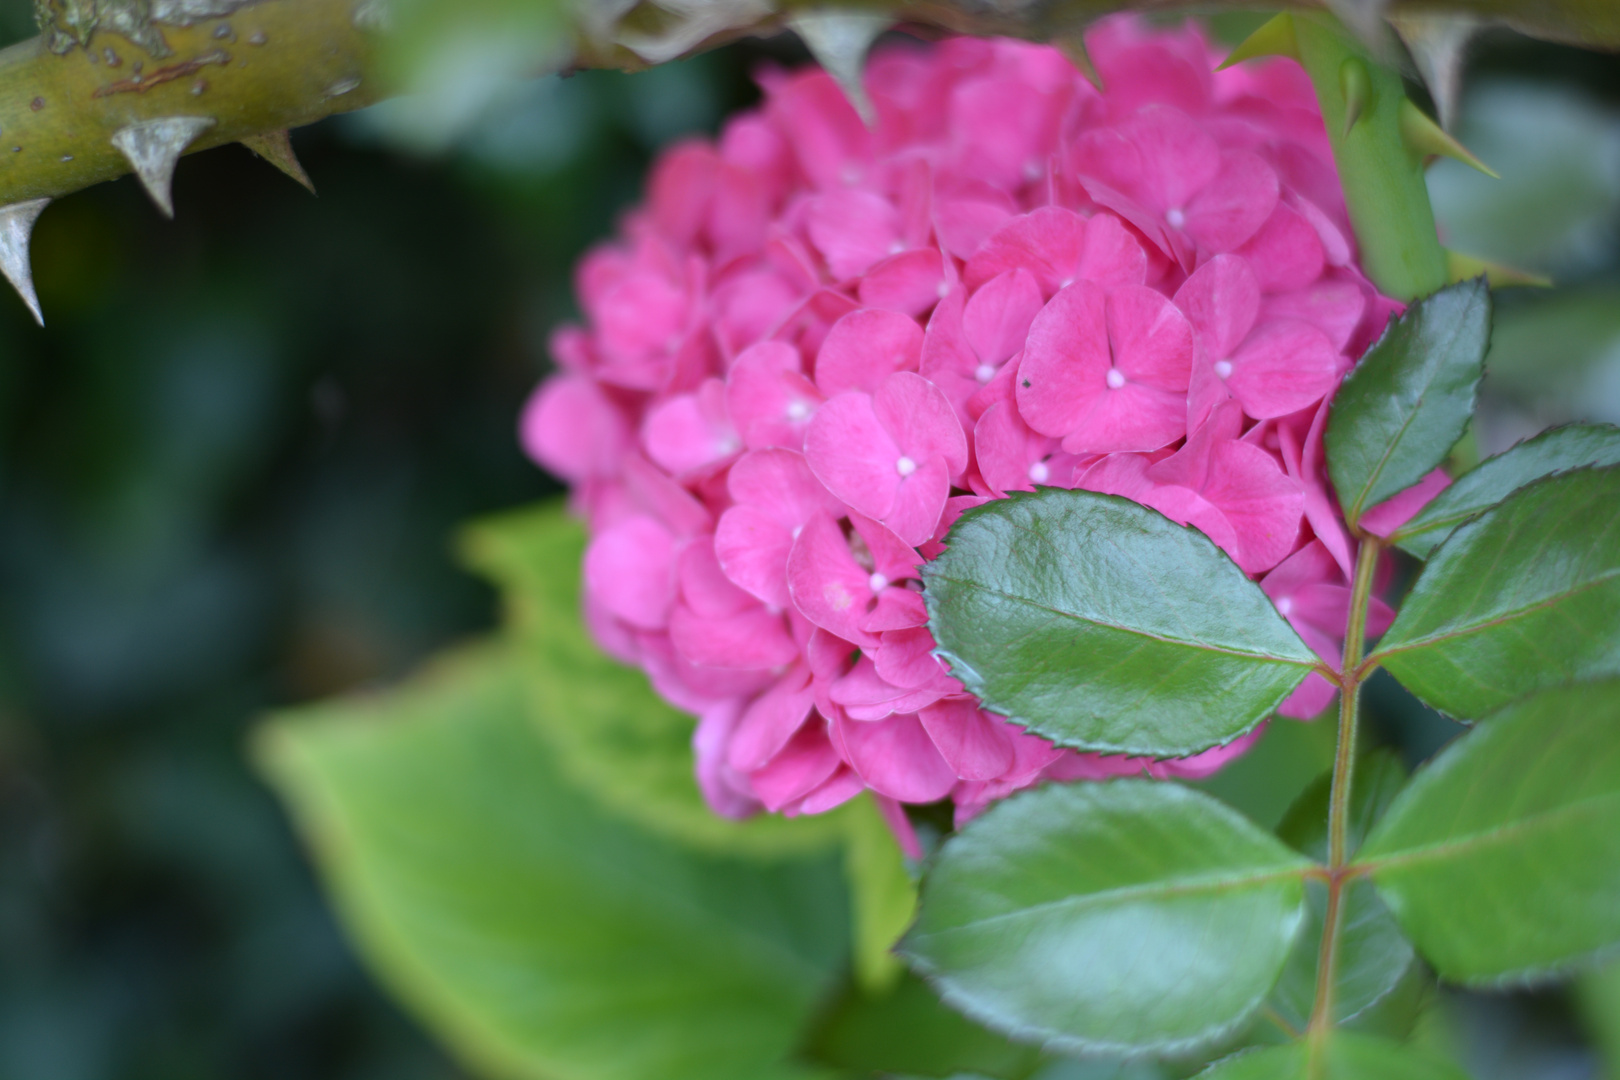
[(1111, 917), (1104, 625), (1501, 860), (1527, 595), (1342, 1056), (538, 933), (610, 730), (1403, 407), (1495, 479), (907, 1030), (883, 891), (1373, 954)]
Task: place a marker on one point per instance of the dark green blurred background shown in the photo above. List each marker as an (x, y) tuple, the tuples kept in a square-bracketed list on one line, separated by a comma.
[(231, 468)]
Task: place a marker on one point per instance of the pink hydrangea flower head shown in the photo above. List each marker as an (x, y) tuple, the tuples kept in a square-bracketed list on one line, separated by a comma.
[(817, 343)]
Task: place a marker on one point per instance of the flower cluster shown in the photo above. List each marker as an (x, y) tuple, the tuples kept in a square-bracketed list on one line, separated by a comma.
[(817, 343)]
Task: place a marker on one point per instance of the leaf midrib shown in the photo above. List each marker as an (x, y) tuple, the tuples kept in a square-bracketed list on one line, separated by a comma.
[(1481, 837), (1506, 617), (1149, 635)]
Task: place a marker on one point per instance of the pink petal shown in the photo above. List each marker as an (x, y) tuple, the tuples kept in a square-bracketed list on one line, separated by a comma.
[(975, 746), (1179, 158), (768, 723), (1132, 417), (690, 431), (1065, 361), (1151, 340), (948, 361), (1008, 449), (919, 502), (1286, 253), (921, 420), (896, 609), (853, 455), (1047, 242), (753, 547), (629, 569), (1233, 207), (965, 224), (1334, 307), (1283, 368), (572, 428), (827, 585), (780, 483), (704, 587), (906, 658), (1387, 516), (1308, 699), (1221, 300), (1263, 504), (799, 768), (725, 790), (752, 639), (997, 319), (865, 347), (891, 556), (842, 786), (895, 757), (769, 401), (909, 283), (852, 230)]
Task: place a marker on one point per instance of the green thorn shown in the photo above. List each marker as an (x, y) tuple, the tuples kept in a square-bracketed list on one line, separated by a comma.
[(276, 148), (1427, 138), (1355, 83), (1462, 267), (1275, 38), (1073, 46)]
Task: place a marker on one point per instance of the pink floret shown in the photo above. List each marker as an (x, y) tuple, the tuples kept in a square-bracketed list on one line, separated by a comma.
[(816, 344)]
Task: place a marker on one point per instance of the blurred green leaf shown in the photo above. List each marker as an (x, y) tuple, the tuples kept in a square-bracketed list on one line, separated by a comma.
[(1112, 917), (1501, 859), (1379, 777), (1404, 406), (540, 934), (1267, 780), (611, 731), (883, 892), (1496, 478), (1599, 994), (1104, 625), (906, 1029), (1525, 596), (1342, 1055)]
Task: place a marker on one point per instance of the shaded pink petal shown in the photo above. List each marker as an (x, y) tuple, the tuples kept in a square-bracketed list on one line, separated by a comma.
[(1282, 368), (770, 721), (867, 696), (767, 398), (690, 431), (753, 548), (1008, 450), (751, 639), (865, 347), (1233, 207), (851, 453), (975, 746), (572, 428), (1151, 340), (1333, 307), (725, 790), (906, 657), (1263, 504), (630, 570), (948, 361), (895, 757), (921, 420), (1308, 699), (1066, 361), (805, 763), (1209, 762), (1179, 158), (843, 785), (1286, 253), (852, 230), (826, 584), (704, 586), (1387, 516), (965, 224), (996, 320), (1048, 243), (891, 556), (910, 282), (896, 609), (919, 502), (1221, 300)]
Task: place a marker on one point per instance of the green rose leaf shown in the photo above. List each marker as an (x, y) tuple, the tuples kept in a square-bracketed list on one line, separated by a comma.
[(1525, 596), (1104, 625), (1373, 955), (536, 931), (1496, 478), (1342, 1055), (1501, 860), (1403, 407), (1113, 917)]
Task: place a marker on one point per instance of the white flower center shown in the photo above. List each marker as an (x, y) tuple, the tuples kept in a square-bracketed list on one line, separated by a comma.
[(905, 466), (1116, 378), (1176, 216), (984, 372), (727, 445), (1032, 170), (1223, 368), (797, 410), (797, 529), (877, 582), (944, 289), (1039, 473), (1285, 606), (896, 248)]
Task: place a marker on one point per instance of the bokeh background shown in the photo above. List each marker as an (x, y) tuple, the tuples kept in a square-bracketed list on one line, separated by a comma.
[(232, 466)]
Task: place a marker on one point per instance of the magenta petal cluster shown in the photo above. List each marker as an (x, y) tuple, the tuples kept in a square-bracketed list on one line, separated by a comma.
[(816, 343)]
